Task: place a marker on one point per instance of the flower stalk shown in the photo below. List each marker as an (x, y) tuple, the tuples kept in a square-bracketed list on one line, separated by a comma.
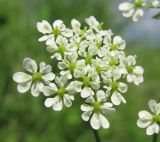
[(96, 135)]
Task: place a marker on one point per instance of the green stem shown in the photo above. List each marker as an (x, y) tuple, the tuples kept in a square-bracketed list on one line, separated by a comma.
[(155, 137), (96, 135)]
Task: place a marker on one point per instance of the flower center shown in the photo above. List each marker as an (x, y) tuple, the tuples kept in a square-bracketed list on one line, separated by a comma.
[(129, 69), (98, 44), (115, 85), (37, 76), (72, 66), (61, 49), (61, 91), (113, 62), (99, 69), (156, 118), (56, 32), (82, 32), (97, 106), (86, 81), (138, 3), (88, 59), (113, 47)]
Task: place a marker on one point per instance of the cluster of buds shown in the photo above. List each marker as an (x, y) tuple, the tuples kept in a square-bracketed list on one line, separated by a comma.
[(135, 8), (89, 62)]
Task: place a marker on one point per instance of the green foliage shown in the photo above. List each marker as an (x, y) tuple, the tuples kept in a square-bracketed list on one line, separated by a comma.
[(24, 118), (157, 16)]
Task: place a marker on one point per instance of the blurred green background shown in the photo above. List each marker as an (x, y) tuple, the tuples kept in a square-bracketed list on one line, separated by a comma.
[(24, 118)]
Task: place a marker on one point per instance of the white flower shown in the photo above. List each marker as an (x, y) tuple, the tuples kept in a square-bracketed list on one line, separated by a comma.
[(134, 73), (155, 3), (62, 94), (76, 25), (51, 33), (96, 109), (59, 48), (133, 10), (116, 88), (88, 81), (34, 78), (92, 22), (148, 120)]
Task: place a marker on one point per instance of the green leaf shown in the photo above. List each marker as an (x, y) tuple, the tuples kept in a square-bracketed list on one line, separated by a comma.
[(157, 16)]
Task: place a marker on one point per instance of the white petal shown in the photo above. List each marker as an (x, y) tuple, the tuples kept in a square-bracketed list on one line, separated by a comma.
[(122, 87), (30, 65), (75, 25), (49, 102), (44, 27), (21, 77), (128, 13), (92, 22), (152, 105), (86, 107), (36, 88), (59, 24), (95, 122), (129, 78), (143, 123), (137, 14), (117, 40), (101, 96), (145, 115), (107, 108), (61, 81), (74, 86), (58, 56), (126, 6), (67, 33), (90, 100), (68, 100), (50, 90), (48, 77), (86, 92), (43, 38), (153, 129), (86, 115), (24, 87), (44, 69), (57, 106), (117, 98), (104, 122), (138, 70), (137, 79)]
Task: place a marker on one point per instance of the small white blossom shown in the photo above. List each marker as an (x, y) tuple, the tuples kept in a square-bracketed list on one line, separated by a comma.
[(34, 78), (132, 9), (52, 32), (61, 92), (96, 109), (134, 73), (150, 120)]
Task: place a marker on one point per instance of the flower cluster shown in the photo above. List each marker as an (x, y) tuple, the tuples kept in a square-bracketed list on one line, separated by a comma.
[(89, 61), (135, 8), (148, 120)]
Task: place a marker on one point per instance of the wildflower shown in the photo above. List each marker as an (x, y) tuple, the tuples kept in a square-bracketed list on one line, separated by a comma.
[(150, 120), (132, 9), (50, 34), (61, 92), (96, 109), (33, 79)]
